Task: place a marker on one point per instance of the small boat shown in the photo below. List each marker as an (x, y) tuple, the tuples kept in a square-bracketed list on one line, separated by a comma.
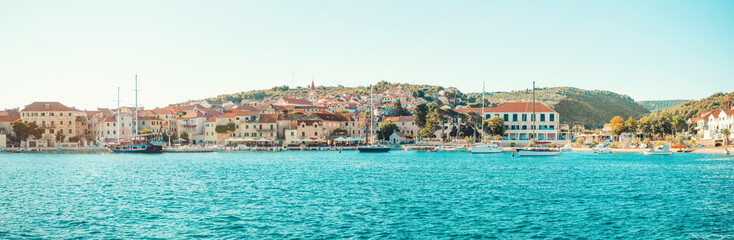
[(488, 148), (566, 149), (661, 150), (373, 149), (537, 151), (461, 149), (726, 152), (604, 151)]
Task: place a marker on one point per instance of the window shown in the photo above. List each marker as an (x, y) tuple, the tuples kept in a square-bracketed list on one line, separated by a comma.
[(69, 130), (552, 117), (292, 134), (52, 123), (514, 117), (69, 114), (315, 133), (524, 117), (506, 117), (51, 114), (542, 117), (524, 127), (69, 122)]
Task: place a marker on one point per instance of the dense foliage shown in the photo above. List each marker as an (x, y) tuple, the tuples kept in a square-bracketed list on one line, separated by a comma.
[(425, 91), (661, 104), (591, 108), (695, 108)]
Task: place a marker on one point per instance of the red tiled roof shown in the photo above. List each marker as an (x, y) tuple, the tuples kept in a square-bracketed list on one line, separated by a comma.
[(297, 101), (400, 119), (193, 114), (46, 106), (520, 107), (9, 115), (212, 119), (268, 118)]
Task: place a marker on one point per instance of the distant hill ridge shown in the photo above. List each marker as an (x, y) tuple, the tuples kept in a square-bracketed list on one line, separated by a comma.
[(656, 105), (694, 108), (592, 108)]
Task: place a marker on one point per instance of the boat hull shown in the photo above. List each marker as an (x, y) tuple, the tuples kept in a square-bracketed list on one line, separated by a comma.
[(486, 149), (373, 149), (537, 153), (657, 153), (149, 149)]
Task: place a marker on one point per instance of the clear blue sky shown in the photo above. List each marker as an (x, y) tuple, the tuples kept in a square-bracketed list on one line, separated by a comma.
[(78, 52)]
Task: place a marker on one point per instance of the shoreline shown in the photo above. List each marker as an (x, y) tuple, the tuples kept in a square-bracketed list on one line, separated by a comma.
[(704, 150)]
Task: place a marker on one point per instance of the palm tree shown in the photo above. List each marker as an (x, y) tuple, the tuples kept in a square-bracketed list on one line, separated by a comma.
[(726, 133)]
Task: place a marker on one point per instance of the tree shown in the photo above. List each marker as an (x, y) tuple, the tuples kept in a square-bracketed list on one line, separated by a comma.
[(185, 137), (342, 111), (679, 124), (495, 126), (618, 126), (60, 136), (145, 131), (399, 110), (230, 127), (420, 113), (75, 139), (726, 133), (89, 138), (387, 128), (20, 129), (631, 125)]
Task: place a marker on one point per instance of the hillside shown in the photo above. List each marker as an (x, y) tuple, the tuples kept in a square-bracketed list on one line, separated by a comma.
[(661, 104), (284, 91), (592, 108), (695, 108)]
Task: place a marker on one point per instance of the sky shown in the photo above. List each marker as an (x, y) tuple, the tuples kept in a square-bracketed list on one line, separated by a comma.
[(80, 52)]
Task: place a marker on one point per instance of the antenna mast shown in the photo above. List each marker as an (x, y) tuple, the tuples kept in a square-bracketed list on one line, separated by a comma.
[(534, 110), (136, 106), (118, 114)]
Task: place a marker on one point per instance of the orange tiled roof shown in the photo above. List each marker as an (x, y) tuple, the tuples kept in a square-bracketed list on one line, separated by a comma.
[(47, 106), (520, 107)]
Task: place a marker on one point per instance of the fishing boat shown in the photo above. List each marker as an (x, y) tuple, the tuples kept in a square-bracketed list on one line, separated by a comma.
[(660, 150), (136, 144), (605, 150), (373, 148), (537, 151), (144, 143)]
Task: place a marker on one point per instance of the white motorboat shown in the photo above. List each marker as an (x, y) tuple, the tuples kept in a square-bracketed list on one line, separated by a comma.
[(537, 151), (726, 152), (461, 149), (660, 150), (488, 148), (604, 151)]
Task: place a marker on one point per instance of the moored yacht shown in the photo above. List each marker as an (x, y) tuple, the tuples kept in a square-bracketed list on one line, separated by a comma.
[(488, 148), (660, 150)]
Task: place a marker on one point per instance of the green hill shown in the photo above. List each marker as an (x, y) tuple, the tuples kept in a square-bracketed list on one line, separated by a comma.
[(592, 108), (425, 91), (695, 108), (661, 104)]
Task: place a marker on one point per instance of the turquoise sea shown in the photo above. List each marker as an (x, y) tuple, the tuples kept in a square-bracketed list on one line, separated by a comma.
[(331, 195)]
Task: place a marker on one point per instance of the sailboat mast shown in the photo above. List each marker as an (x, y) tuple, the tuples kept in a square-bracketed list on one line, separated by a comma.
[(136, 106), (534, 126), (118, 114), (372, 116), (482, 112)]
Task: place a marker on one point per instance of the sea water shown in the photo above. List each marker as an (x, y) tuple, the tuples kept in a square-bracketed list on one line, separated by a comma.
[(327, 195)]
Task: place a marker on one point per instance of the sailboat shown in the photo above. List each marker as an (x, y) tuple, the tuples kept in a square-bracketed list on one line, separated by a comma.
[(372, 148), (537, 151), (137, 143), (486, 148)]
